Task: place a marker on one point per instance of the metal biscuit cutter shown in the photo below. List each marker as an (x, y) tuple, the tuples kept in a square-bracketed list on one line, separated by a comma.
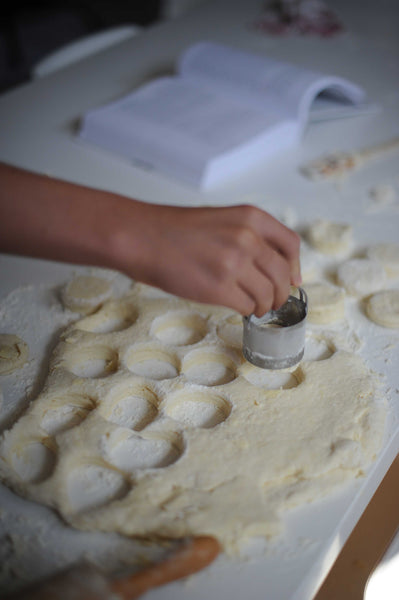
[(277, 339)]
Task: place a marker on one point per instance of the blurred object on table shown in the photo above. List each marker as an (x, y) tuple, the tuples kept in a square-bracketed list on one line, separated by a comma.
[(303, 17)]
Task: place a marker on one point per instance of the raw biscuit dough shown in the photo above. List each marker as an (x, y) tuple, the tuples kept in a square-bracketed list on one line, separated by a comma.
[(14, 353), (383, 308), (86, 293), (383, 194), (156, 426), (388, 255), (330, 237), (309, 262), (326, 302), (361, 276)]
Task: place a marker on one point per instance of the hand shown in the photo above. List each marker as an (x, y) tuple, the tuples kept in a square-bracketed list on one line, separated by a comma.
[(240, 256)]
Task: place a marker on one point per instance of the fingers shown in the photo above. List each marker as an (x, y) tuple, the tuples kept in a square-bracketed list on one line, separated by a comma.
[(260, 290), (254, 278), (239, 257), (285, 241)]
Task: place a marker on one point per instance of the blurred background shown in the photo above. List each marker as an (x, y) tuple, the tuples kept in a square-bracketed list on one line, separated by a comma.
[(31, 31)]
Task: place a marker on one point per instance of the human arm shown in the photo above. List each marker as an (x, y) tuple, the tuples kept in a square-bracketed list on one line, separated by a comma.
[(238, 256)]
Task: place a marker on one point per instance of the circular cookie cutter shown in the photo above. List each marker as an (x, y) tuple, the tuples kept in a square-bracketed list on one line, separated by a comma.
[(277, 339)]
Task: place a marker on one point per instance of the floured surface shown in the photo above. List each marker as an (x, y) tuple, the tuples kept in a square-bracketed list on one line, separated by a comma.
[(151, 423)]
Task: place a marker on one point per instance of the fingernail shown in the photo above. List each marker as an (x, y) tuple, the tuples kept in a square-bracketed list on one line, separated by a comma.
[(297, 280)]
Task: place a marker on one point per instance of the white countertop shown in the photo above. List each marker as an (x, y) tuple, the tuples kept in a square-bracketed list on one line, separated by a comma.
[(37, 132)]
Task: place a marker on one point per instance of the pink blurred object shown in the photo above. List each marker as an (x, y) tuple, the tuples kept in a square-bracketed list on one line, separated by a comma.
[(304, 17)]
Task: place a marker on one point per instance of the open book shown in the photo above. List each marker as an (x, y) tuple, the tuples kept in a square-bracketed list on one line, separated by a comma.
[(224, 111)]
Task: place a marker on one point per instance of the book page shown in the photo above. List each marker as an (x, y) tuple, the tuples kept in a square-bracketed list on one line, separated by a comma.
[(176, 126), (261, 81)]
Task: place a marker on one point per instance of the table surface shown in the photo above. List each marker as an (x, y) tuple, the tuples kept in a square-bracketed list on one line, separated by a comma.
[(38, 126)]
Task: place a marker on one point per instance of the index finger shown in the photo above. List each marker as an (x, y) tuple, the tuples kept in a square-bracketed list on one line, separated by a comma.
[(286, 241)]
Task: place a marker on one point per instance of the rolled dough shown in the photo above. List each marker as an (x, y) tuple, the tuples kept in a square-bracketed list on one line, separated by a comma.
[(152, 424)]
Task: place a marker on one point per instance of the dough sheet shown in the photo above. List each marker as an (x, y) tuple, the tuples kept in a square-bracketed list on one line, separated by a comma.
[(151, 423)]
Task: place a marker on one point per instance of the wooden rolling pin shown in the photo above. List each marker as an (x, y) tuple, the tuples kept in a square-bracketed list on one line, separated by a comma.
[(340, 163), (88, 583)]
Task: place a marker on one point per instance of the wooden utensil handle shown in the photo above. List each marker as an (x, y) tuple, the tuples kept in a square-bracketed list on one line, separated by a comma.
[(87, 583), (191, 557)]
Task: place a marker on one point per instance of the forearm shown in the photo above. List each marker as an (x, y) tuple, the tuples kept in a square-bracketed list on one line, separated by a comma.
[(54, 219), (237, 256)]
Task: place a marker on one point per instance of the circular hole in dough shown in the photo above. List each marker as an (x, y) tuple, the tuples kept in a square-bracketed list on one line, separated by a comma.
[(152, 362), (330, 237), (65, 412), (14, 353), (110, 318), (318, 348), (33, 461), (361, 276), (130, 451), (86, 293), (209, 366), (198, 409), (92, 485), (230, 331), (131, 405), (179, 328), (92, 361), (388, 255), (326, 302), (383, 308), (282, 379)]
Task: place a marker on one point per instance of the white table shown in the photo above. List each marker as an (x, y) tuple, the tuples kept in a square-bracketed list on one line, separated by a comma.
[(37, 132)]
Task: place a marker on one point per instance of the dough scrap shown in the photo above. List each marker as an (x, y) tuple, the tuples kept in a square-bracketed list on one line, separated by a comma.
[(383, 308), (388, 255), (383, 194), (309, 262), (326, 302), (178, 439), (361, 276), (14, 353), (86, 293), (330, 237)]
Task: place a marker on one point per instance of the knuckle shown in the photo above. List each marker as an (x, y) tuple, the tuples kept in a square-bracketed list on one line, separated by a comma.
[(248, 214), (245, 238), (229, 260)]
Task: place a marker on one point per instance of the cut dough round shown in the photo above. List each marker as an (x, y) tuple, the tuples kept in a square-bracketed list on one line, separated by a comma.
[(383, 308), (330, 237), (85, 293), (309, 262), (388, 255), (14, 353), (361, 276), (326, 302)]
